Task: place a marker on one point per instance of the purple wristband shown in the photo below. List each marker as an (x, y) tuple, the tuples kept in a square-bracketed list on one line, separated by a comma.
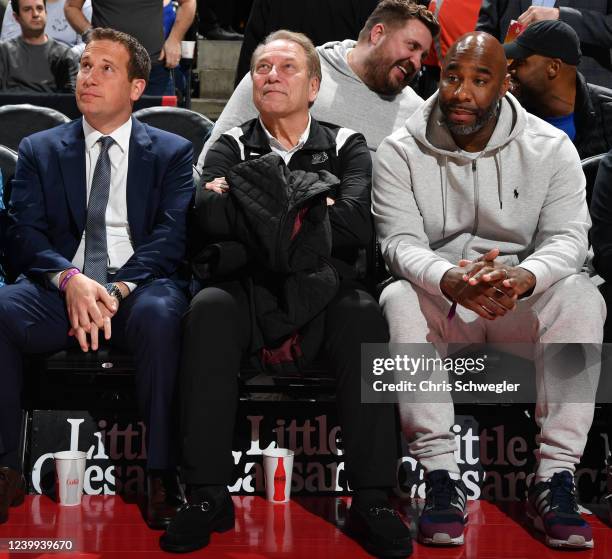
[(71, 272)]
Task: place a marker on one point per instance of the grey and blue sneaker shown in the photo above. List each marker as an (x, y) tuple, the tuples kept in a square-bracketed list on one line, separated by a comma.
[(552, 507), (444, 517)]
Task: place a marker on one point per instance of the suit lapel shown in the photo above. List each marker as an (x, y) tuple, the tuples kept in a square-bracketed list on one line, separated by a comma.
[(72, 165), (139, 180)]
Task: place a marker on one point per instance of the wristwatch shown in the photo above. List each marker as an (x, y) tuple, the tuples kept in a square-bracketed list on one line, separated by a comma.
[(113, 290)]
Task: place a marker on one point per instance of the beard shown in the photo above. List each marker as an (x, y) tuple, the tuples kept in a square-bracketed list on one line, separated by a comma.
[(483, 117), (377, 75)]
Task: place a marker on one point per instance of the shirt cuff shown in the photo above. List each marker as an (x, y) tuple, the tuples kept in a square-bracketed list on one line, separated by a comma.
[(435, 273), (54, 277), (542, 277), (131, 286)]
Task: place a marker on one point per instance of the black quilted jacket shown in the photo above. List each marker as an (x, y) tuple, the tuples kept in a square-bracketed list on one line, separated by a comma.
[(282, 243), (274, 230)]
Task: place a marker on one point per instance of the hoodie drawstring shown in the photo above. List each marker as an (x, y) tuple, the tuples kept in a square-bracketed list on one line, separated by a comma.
[(444, 185), (498, 166)]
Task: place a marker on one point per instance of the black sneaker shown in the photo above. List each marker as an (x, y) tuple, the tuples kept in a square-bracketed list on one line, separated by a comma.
[(380, 530), (552, 507), (444, 516), (191, 527)]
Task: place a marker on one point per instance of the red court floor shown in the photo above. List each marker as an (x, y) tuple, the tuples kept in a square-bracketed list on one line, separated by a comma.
[(308, 527)]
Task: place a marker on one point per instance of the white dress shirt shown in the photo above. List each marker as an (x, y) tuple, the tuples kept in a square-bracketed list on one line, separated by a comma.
[(280, 149), (118, 241)]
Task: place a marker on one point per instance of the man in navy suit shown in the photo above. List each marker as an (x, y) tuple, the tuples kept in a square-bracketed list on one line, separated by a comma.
[(97, 231)]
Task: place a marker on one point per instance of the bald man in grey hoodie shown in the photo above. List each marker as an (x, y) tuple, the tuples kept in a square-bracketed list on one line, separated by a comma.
[(481, 211)]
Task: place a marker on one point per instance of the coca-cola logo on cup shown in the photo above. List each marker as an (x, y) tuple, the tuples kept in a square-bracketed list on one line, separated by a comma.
[(279, 481)]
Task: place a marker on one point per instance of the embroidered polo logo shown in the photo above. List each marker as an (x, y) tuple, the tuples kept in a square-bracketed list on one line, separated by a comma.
[(319, 158)]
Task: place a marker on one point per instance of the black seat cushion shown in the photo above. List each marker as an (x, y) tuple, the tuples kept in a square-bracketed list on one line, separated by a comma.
[(19, 121), (8, 162), (186, 123)]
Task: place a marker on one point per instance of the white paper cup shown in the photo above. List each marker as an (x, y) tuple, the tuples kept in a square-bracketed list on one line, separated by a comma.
[(69, 476), (278, 466), (187, 49)]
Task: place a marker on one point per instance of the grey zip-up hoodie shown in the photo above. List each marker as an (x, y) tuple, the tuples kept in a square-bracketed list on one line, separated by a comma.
[(524, 193), (343, 99)]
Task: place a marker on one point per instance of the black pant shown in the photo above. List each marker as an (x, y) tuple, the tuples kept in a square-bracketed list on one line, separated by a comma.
[(216, 335)]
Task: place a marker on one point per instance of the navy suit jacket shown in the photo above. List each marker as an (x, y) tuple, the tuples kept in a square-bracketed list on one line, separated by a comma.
[(47, 211)]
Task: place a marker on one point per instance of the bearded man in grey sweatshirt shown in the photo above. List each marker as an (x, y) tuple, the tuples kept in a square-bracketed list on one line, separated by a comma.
[(481, 212)]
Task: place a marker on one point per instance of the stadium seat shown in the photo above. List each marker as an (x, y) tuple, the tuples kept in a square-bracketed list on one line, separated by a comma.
[(186, 123), (19, 121), (589, 167), (8, 161)]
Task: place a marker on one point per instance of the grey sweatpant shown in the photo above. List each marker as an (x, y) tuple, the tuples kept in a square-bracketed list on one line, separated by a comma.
[(571, 311)]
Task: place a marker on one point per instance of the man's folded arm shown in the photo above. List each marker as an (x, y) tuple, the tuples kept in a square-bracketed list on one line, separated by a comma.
[(215, 214)]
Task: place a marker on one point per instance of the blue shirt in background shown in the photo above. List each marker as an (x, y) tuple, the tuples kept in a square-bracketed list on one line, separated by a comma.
[(565, 123), (169, 18)]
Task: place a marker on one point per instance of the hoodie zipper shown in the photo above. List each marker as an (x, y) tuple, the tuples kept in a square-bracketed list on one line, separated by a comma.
[(476, 204)]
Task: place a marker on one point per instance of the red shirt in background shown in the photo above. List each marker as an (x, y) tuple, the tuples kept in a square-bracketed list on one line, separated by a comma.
[(456, 18)]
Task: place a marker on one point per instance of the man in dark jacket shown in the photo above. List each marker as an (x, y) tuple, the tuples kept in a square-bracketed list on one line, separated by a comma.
[(286, 75), (544, 60), (591, 19)]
